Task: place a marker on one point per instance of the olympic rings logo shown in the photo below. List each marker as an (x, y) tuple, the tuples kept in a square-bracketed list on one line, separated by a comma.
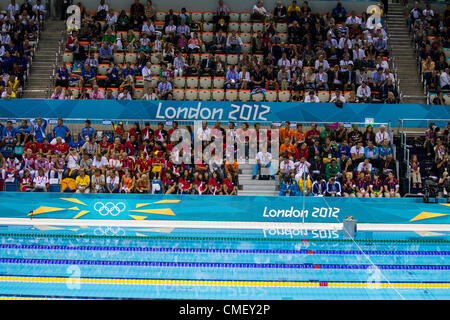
[(109, 208), (109, 231)]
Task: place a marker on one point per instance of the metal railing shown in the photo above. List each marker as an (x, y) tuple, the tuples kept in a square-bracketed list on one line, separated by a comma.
[(401, 123)]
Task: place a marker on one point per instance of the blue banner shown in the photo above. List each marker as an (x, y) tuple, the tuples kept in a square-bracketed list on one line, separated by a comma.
[(220, 208), (219, 110)]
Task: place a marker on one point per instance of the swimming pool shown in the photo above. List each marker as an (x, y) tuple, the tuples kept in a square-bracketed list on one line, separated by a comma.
[(168, 263)]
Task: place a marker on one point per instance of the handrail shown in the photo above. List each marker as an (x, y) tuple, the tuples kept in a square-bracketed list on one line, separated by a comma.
[(401, 122)]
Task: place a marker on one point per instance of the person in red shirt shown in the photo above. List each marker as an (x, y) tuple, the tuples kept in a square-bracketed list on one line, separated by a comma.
[(160, 133), (146, 147), (119, 130), (46, 148), (60, 147), (200, 185), (33, 145), (185, 183), (135, 132), (104, 144), (229, 187), (132, 146), (214, 185), (144, 164), (117, 146), (169, 184), (127, 163), (174, 127), (312, 134), (147, 132), (301, 151), (26, 182)]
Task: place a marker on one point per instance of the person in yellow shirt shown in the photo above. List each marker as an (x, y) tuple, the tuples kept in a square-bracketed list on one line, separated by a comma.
[(13, 83), (82, 182), (8, 93), (286, 132), (294, 12), (305, 185)]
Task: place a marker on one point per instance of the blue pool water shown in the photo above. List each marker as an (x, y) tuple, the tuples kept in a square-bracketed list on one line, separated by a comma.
[(125, 263)]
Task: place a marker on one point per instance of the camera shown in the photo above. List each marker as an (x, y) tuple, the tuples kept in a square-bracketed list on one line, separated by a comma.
[(431, 190)]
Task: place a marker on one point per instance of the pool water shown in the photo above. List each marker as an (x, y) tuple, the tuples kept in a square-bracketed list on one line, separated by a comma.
[(165, 263)]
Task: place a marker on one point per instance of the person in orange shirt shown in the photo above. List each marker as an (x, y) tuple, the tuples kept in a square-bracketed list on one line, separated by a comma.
[(287, 149), (299, 134), (232, 168), (286, 132)]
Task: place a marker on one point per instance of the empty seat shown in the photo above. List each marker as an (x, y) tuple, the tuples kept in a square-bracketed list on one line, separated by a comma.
[(218, 82), (131, 58), (208, 16), (179, 82), (258, 26), (234, 16), (196, 57), (446, 98), (155, 81), (246, 47), (102, 68), (138, 93), (231, 95), (208, 27), (178, 94), (160, 16), (324, 96), (218, 94), (204, 94), (258, 97), (207, 37), (283, 37), (244, 95), (75, 91), (271, 95), (346, 95), (191, 94), (284, 96), (154, 59), (205, 82), (139, 81), (246, 27), (232, 59), (155, 69), (281, 27), (197, 16), (246, 37), (233, 26), (118, 58), (192, 82), (245, 16), (68, 57)]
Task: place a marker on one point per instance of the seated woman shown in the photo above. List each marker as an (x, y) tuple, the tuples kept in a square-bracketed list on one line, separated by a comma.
[(143, 184)]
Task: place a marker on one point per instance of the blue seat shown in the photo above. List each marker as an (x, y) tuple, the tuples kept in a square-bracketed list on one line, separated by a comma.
[(11, 186), (54, 188)]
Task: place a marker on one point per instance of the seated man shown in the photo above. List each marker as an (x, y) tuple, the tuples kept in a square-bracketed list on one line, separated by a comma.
[(232, 79), (105, 53), (234, 42), (391, 187), (288, 186), (279, 13), (333, 188), (319, 187), (263, 160), (259, 12), (363, 93), (165, 89), (208, 66), (88, 76)]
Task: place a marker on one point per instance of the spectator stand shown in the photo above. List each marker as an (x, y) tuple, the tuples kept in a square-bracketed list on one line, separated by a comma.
[(414, 142), (201, 22)]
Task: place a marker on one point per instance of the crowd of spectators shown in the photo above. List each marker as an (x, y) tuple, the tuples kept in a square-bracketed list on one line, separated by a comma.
[(337, 51), (137, 160), (431, 36), (430, 160), (337, 162), (19, 32)]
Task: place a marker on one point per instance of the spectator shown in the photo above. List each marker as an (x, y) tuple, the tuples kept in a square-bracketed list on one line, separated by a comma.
[(279, 13), (391, 187), (165, 89), (259, 12), (263, 160), (333, 187), (339, 13), (311, 97), (319, 187)]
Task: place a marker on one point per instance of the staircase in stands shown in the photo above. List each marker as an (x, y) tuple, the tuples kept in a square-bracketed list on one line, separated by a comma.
[(249, 187), (403, 53), (39, 82)]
